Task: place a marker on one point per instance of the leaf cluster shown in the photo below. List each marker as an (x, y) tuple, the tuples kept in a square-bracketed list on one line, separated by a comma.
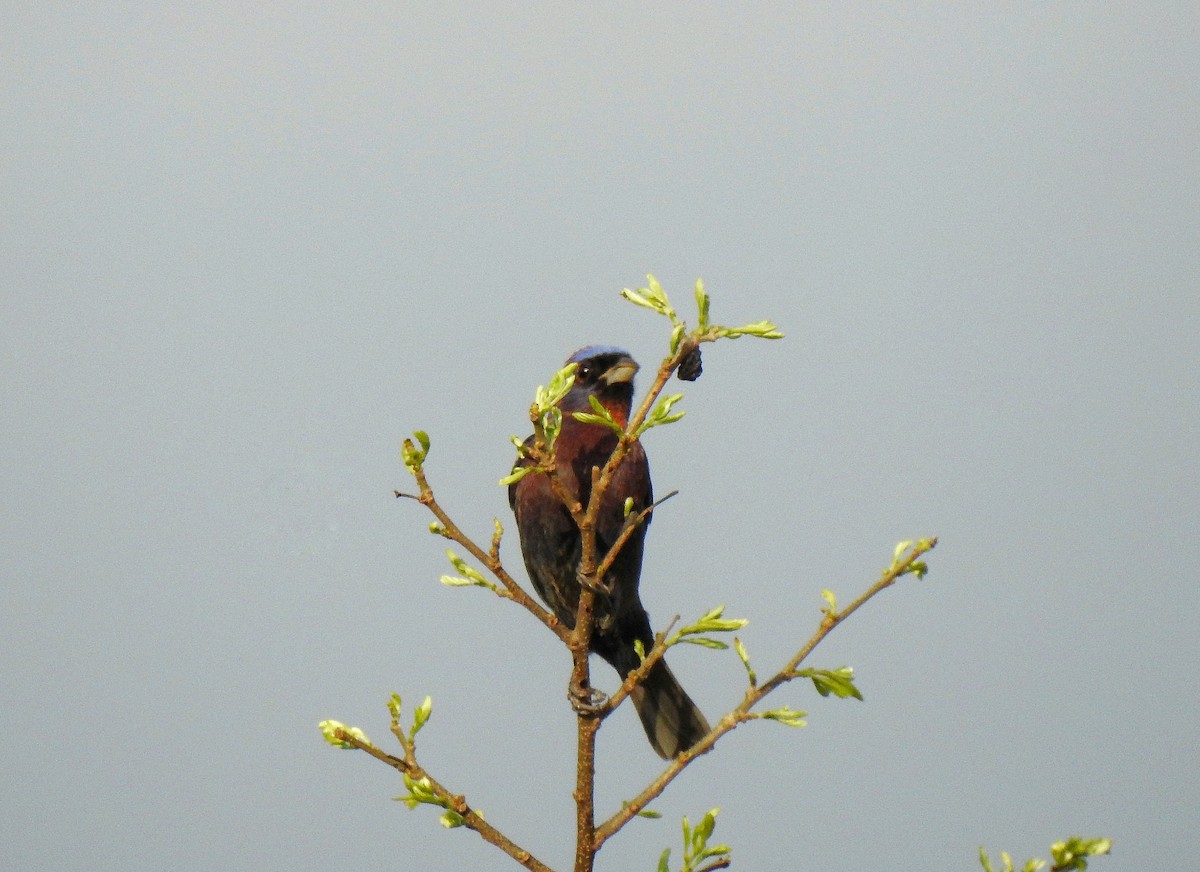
[(1068, 855), (696, 849)]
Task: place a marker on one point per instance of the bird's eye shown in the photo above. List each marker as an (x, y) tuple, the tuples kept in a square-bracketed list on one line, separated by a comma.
[(585, 372)]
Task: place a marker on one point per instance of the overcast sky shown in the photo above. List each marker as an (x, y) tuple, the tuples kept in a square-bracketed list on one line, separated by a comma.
[(247, 248)]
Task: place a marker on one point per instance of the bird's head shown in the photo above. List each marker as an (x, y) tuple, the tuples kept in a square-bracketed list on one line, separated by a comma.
[(605, 373)]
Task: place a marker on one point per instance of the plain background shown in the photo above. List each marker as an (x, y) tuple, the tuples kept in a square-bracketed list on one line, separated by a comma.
[(247, 248)]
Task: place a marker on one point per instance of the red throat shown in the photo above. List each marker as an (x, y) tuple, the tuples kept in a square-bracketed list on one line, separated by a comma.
[(618, 410)]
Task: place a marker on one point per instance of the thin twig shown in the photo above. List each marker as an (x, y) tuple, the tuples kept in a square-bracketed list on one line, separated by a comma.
[(511, 590), (631, 524), (742, 712), (638, 675), (470, 817)]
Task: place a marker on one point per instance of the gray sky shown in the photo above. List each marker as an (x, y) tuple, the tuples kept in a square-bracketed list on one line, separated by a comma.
[(248, 248)]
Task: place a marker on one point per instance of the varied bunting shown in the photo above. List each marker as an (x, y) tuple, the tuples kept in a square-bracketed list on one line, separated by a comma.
[(552, 547)]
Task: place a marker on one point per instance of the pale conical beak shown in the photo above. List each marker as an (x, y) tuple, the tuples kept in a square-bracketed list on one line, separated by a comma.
[(622, 371)]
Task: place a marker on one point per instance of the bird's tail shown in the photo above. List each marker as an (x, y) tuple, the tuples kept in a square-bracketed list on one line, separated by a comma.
[(672, 721)]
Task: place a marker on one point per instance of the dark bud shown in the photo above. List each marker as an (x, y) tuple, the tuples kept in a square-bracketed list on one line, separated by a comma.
[(689, 367)]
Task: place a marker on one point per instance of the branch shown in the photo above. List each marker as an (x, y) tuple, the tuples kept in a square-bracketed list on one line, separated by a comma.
[(632, 522), (657, 651), (491, 559), (590, 578), (471, 819), (910, 563)]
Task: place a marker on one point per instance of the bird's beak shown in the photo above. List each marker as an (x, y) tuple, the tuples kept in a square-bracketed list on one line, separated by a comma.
[(621, 371)]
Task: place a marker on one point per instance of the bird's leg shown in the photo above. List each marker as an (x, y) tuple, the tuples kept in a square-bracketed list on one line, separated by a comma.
[(592, 583), (585, 699), (603, 591)]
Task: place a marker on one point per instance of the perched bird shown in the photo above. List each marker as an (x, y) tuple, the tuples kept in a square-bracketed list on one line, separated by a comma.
[(552, 546)]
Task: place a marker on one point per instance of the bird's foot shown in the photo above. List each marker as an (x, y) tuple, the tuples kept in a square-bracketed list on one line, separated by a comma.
[(595, 585), (587, 701)]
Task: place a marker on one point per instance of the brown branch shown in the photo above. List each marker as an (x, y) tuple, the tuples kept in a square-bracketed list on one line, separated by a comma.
[(742, 712), (591, 575), (585, 795), (490, 559), (455, 802), (833, 619), (631, 523), (579, 641), (638, 675)]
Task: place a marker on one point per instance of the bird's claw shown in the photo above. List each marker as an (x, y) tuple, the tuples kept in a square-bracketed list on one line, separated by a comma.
[(598, 587), (592, 584), (587, 701)]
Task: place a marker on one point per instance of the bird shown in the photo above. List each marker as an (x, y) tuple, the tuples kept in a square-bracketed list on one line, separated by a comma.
[(551, 544)]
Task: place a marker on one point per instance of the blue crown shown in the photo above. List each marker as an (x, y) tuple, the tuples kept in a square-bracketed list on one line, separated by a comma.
[(589, 351)]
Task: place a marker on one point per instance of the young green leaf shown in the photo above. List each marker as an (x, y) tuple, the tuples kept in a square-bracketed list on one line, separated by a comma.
[(786, 716), (639, 300), (419, 792), (414, 457), (470, 576), (454, 581), (560, 385), (599, 415), (839, 682), (518, 473), (655, 292), (639, 648), (661, 413), (677, 336), (702, 305), (551, 425), (1072, 853), (918, 567), (421, 715), (986, 862), (704, 829), (705, 642), (762, 329), (461, 566), (652, 297), (329, 733), (745, 658), (710, 622), (451, 819), (646, 813)]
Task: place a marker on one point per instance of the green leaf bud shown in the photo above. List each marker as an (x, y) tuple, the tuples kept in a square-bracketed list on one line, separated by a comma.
[(518, 473), (786, 716), (421, 715), (702, 304)]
